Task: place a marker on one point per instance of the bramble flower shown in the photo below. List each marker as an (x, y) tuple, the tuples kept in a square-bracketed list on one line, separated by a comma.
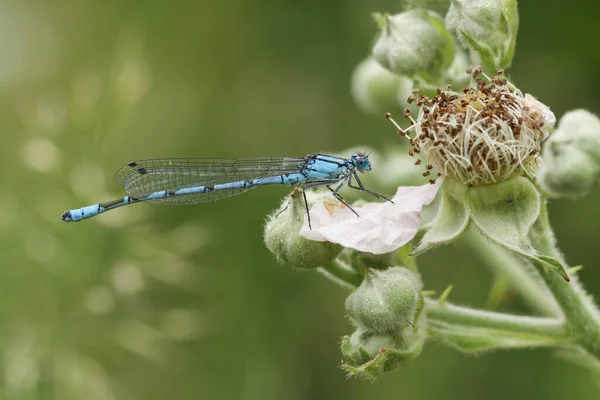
[(486, 135)]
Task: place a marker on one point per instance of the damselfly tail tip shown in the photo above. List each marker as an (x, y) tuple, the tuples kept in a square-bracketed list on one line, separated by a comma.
[(66, 216)]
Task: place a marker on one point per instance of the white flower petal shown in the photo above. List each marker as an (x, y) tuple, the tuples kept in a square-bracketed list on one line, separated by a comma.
[(381, 228), (547, 114)]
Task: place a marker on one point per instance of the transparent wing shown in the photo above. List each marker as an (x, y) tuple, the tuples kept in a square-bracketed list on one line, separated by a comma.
[(140, 178)]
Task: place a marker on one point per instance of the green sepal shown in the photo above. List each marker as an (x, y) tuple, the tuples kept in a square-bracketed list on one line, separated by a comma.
[(510, 17), (506, 211), (485, 53), (366, 355), (405, 257), (385, 360), (487, 28), (451, 220), (552, 263)]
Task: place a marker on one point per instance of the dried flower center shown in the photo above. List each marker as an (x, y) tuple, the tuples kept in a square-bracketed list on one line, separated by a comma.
[(486, 134)]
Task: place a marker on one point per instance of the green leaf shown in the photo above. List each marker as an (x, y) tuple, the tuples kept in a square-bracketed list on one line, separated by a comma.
[(510, 17), (554, 264), (485, 52)]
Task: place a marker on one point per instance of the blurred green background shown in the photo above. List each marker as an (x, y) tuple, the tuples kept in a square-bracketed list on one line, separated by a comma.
[(152, 302)]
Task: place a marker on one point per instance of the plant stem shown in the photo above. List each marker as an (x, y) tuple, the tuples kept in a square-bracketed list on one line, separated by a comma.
[(466, 316), (520, 274), (581, 314), (468, 329), (472, 330), (341, 273)]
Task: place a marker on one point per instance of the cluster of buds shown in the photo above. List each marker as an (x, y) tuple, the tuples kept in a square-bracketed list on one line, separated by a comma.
[(390, 326), (486, 134), (483, 143)]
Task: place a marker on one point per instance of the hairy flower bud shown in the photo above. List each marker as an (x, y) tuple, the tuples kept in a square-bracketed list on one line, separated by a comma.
[(567, 172), (386, 301), (367, 355), (571, 156), (414, 43), (376, 90), (282, 233), (391, 327), (486, 27), (362, 346), (440, 6)]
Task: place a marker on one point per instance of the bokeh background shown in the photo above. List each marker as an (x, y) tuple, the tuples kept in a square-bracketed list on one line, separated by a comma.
[(152, 302)]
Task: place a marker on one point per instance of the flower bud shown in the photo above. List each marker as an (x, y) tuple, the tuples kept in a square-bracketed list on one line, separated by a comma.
[(386, 300), (282, 233), (486, 27), (584, 129), (580, 129), (571, 156), (440, 6), (362, 346), (377, 90), (413, 43), (567, 171), (368, 354)]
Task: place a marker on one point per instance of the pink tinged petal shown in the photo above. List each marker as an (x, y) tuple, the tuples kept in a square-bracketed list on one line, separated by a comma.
[(381, 228), (547, 114)]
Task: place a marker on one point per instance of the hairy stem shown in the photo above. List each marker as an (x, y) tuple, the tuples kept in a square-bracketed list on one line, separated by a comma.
[(471, 330), (581, 314), (521, 275), (475, 318), (341, 273)]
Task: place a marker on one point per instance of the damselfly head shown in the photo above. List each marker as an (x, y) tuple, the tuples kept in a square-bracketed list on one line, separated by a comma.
[(361, 161)]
